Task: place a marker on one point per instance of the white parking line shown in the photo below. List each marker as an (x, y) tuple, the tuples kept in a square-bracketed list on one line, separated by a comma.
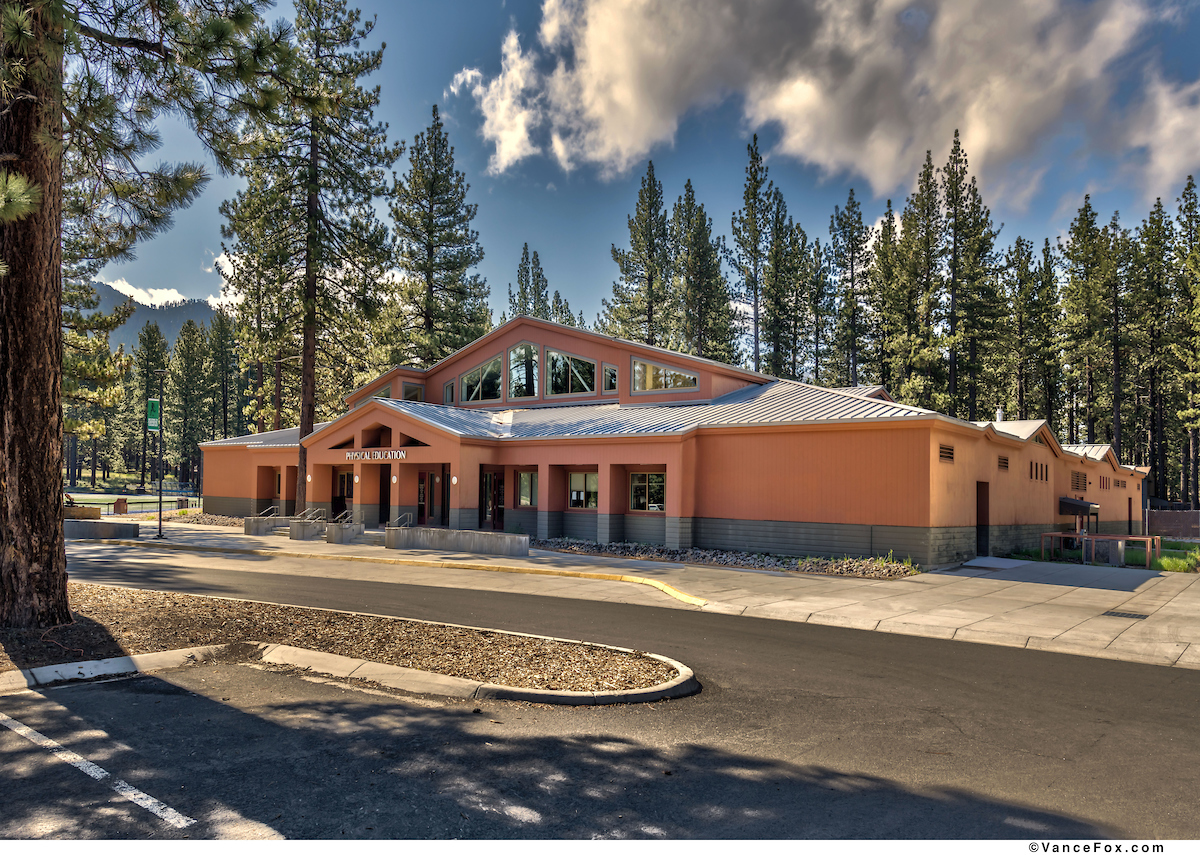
[(122, 788)]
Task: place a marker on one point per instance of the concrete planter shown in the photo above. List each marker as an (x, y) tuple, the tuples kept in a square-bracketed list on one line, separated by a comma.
[(99, 530), (451, 540), (80, 513), (342, 532), (306, 529), (263, 525)]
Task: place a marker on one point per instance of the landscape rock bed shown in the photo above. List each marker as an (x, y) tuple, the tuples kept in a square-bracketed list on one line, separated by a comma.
[(112, 621), (870, 568)]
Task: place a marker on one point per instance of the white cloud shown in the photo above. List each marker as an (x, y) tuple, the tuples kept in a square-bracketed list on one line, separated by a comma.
[(509, 104), (147, 297), (852, 87), (1166, 129)]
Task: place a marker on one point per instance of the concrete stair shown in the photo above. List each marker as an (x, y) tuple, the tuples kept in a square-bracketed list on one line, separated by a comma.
[(369, 538)]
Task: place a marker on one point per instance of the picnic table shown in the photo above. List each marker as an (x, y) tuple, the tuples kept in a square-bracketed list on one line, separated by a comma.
[(1152, 543)]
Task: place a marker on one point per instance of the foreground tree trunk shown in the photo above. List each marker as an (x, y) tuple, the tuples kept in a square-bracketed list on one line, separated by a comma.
[(33, 562)]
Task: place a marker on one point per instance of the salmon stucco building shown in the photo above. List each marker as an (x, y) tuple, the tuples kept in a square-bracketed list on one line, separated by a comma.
[(556, 431)]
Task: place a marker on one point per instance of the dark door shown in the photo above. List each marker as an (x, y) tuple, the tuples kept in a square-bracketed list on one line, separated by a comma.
[(343, 494), (445, 504), (491, 500), (981, 518), (498, 502), (385, 494), (420, 498), (1131, 515)]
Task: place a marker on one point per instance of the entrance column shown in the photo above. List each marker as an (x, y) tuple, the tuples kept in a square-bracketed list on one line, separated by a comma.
[(320, 487), (366, 494), (610, 515), (552, 498), (681, 496), (289, 492), (264, 489)]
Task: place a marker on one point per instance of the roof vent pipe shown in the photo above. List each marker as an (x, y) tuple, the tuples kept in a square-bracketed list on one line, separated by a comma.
[(999, 414)]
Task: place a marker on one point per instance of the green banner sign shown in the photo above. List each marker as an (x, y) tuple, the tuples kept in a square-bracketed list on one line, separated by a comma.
[(152, 415)]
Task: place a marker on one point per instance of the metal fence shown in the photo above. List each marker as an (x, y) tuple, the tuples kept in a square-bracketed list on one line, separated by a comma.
[(140, 504), (1174, 523)]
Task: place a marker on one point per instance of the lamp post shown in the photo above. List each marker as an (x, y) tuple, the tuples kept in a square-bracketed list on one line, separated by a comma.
[(161, 372)]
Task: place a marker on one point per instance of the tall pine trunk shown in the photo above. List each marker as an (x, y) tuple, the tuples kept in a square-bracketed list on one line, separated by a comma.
[(33, 561), (1116, 370), (308, 354)]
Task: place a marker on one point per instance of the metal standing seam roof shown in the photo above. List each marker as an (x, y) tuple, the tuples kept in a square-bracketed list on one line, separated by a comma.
[(285, 438), (1092, 451), (779, 402)]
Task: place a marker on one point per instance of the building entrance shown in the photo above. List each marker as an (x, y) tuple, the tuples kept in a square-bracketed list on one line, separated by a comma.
[(491, 500), (343, 494), (433, 494)]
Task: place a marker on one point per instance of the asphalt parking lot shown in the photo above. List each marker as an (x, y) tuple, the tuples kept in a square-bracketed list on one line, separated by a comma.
[(242, 751)]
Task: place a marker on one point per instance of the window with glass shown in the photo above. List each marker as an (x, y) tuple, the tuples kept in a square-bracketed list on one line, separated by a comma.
[(648, 377), (482, 384), (523, 371), (385, 392), (414, 392), (527, 489), (448, 393), (569, 375), (647, 491), (585, 490), (610, 379)]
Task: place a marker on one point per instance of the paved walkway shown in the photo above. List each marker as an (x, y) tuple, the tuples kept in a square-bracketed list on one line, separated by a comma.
[(1038, 605)]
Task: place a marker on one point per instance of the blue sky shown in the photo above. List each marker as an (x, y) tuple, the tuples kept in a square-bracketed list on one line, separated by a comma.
[(554, 108)]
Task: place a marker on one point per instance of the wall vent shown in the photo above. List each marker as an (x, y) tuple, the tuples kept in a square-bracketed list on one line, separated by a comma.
[(1002, 462), (946, 453), (1078, 481)]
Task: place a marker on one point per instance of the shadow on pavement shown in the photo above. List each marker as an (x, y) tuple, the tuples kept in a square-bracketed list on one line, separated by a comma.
[(280, 756)]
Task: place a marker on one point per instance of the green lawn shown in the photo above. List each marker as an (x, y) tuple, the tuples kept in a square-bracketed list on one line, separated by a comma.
[(1183, 560)]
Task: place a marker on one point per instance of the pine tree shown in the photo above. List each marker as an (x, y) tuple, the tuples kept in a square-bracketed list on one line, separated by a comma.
[(821, 294), (1045, 324), (1020, 286), (708, 324), (88, 79), (896, 313), (1084, 309), (980, 301), (750, 236), (532, 297), (444, 306), (849, 239), (1186, 265), (187, 396), (958, 227), (780, 282), (640, 305), (1152, 305), (149, 357), (223, 377), (921, 250)]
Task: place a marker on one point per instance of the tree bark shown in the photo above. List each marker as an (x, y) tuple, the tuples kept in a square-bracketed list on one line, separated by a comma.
[(33, 561), (308, 355)]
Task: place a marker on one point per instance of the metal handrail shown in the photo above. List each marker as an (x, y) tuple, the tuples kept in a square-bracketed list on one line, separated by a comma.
[(270, 512), (344, 517), (311, 515), (402, 521)]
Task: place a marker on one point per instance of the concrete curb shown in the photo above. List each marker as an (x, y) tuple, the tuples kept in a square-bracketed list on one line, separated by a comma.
[(669, 590), (393, 676), (424, 682), (11, 681)]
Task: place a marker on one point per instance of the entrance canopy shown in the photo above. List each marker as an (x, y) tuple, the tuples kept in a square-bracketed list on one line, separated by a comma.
[(1069, 507)]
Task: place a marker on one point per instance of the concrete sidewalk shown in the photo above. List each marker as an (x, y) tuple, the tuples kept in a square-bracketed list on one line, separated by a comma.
[(1044, 606)]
